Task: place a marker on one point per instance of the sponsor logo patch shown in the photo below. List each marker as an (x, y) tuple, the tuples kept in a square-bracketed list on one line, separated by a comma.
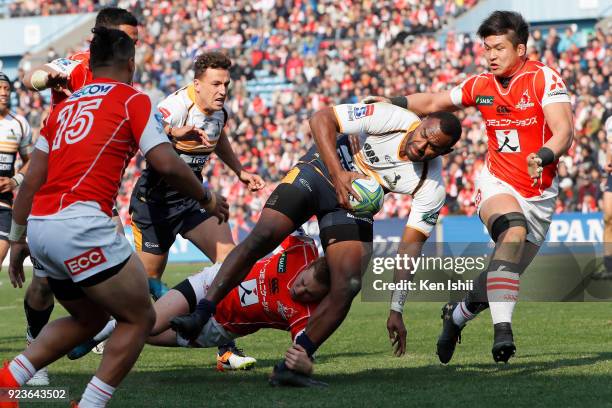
[(282, 263), (485, 100), (358, 112), (92, 90), (508, 141), (247, 291), (430, 218), (85, 261), (502, 110)]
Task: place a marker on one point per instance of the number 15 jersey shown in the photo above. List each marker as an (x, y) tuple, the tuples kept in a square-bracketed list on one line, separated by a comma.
[(90, 138)]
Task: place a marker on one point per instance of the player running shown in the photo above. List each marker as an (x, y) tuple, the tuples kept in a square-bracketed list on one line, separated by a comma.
[(73, 179), (388, 143), (528, 119), (280, 292), (64, 76), (195, 121)]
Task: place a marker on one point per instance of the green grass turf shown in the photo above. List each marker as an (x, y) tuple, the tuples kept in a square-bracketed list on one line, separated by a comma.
[(563, 360)]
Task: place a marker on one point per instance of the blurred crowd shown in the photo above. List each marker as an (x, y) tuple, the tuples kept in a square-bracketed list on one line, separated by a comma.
[(317, 53)]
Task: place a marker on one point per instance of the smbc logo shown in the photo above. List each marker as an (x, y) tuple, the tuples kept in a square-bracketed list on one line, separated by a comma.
[(484, 100)]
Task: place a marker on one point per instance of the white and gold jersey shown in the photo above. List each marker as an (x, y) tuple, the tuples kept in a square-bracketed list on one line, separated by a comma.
[(180, 109), (15, 137), (382, 130)]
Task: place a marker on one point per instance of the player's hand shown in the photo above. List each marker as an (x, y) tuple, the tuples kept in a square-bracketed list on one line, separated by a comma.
[(6, 184), (534, 168), (343, 183), (297, 359), (58, 82), (374, 99), (217, 206), (19, 252), (191, 133), (253, 181), (397, 333)]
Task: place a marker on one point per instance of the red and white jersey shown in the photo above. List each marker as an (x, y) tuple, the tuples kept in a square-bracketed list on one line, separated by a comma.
[(90, 138), (76, 67), (515, 123), (263, 299)]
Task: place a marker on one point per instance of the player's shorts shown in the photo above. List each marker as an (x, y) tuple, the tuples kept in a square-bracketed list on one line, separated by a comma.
[(608, 186), (82, 250), (306, 191), (6, 214), (538, 213), (156, 224), (194, 289)]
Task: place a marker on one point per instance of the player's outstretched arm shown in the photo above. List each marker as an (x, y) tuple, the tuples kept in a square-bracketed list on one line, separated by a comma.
[(226, 153), (166, 162), (325, 127), (421, 104)]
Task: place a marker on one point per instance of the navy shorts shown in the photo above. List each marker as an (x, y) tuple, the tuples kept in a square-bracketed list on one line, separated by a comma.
[(156, 224), (306, 191)]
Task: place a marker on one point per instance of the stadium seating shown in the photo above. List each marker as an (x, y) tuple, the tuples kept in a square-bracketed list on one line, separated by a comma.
[(291, 61)]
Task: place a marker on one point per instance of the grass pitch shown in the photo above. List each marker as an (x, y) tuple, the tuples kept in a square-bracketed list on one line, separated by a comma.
[(563, 359)]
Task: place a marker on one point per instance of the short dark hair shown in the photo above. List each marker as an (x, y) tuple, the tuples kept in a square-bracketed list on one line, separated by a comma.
[(508, 23), (110, 47), (321, 271), (213, 59), (113, 17), (449, 125)]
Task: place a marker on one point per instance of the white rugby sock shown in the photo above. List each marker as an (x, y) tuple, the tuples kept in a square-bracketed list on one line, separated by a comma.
[(106, 331), (502, 291), (97, 394), (22, 369), (461, 314)]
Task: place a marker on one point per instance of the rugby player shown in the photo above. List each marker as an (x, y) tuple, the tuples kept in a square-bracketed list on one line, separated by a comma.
[(528, 119), (73, 179), (280, 292), (195, 121), (64, 76), (606, 272), (388, 143), (16, 137)]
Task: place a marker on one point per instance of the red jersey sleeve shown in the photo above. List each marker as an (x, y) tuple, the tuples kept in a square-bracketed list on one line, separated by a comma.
[(463, 94), (145, 122)]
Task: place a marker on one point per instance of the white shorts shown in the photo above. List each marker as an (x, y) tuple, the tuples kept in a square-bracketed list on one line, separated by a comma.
[(213, 334), (75, 248), (538, 212)]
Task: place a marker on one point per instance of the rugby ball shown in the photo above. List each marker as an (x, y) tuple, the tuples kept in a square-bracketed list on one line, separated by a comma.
[(371, 196)]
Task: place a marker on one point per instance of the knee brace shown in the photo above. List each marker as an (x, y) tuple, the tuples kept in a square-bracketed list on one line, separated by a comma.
[(507, 221)]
